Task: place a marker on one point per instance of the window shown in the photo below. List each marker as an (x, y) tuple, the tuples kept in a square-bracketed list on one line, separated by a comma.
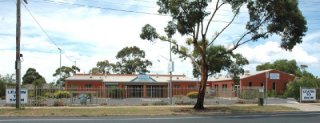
[(216, 87), (191, 86), (224, 87), (88, 86), (250, 84), (232, 87), (176, 86), (261, 84)]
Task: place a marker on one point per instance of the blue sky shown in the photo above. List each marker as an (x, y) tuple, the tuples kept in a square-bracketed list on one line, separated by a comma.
[(93, 30)]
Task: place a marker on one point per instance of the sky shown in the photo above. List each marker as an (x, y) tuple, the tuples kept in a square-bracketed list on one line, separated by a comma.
[(88, 31)]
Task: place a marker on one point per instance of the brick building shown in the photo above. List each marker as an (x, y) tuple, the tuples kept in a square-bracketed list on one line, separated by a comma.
[(130, 85), (154, 85), (270, 80)]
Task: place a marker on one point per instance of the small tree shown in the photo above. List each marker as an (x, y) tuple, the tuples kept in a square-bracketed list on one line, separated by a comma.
[(65, 72), (131, 60)]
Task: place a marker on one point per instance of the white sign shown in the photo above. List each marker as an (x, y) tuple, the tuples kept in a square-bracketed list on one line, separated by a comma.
[(171, 66), (11, 96), (274, 76), (308, 94)]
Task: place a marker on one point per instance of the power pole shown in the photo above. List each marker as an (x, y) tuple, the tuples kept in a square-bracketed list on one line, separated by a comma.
[(60, 84), (18, 61), (171, 70)]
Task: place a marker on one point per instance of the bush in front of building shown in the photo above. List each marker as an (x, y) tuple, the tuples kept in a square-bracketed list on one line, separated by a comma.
[(58, 103), (2, 89), (39, 101), (249, 94), (306, 81), (192, 94), (62, 94), (160, 103)]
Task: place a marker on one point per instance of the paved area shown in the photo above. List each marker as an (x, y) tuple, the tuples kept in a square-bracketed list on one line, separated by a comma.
[(307, 107)]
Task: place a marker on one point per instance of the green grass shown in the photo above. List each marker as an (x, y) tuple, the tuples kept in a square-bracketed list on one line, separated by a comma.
[(136, 110)]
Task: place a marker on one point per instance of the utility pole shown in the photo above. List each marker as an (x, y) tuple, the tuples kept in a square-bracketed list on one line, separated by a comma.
[(18, 61), (60, 68), (170, 70)]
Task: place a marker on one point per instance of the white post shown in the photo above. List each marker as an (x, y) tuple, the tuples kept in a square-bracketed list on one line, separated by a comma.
[(300, 95), (267, 77)]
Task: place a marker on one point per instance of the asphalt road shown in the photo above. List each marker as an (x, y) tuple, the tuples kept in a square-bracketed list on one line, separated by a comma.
[(304, 117)]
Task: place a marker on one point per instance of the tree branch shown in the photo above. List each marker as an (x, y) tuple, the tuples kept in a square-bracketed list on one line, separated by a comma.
[(186, 55), (213, 14), (234, 16), (245, 34)]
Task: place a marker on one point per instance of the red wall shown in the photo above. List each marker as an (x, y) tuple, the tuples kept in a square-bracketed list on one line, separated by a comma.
[(80, 84), (280, 84)]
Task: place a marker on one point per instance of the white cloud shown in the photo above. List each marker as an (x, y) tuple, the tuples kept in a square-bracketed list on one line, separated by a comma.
[(270, 51), (88, 35)]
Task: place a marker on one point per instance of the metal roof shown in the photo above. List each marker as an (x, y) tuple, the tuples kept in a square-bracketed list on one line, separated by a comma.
[(128, 78)]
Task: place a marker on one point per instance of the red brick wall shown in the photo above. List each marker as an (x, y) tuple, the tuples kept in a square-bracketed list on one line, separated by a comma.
[(257, 80), (83, 83)]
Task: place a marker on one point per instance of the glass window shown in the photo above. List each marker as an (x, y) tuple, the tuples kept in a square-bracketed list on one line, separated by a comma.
[(250, 84)]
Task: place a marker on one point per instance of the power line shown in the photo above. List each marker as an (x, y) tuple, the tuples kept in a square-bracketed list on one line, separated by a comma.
[(133, 11), (44, 31)]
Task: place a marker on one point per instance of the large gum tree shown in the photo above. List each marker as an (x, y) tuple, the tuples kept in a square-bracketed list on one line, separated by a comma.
[(193, 18)]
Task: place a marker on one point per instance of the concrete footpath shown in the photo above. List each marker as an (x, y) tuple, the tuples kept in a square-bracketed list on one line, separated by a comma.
[(307, 107)]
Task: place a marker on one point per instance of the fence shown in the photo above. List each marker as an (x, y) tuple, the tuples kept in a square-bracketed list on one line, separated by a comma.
[(135, 95)]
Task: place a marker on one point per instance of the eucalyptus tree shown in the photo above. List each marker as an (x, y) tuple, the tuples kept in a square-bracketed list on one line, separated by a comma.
[(33, 77), (131, 60), (103, 67), (65, 72), (193, 18)]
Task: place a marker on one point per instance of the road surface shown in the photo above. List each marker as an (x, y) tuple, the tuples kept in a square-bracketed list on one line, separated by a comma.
[(303, 117)]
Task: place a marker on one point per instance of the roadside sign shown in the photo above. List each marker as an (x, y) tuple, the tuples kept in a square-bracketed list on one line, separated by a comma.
[(11, 96), (308, 94)]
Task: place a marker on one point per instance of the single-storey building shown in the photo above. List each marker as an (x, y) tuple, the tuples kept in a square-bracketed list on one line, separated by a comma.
[(155, 85), (270, 80), (130, 85)]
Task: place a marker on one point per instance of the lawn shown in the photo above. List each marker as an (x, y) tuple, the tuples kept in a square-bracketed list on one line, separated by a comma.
[(137, 110)]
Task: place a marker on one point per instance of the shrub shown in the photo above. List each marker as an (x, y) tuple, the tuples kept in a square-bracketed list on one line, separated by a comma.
[(272, 93), (184, 103), (48, 95), (249, 94), (58, 103), (39, 101), (160, 103), (62, 94), (307, 81), (192, 94)]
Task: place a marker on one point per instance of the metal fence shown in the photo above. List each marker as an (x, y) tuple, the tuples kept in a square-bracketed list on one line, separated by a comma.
[(135, 95)]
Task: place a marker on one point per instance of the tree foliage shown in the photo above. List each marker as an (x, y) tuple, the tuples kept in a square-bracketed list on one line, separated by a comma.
[(193, 18), (219, 59), (131, 60), (103, 67), (65, 72), (8, 79), (288, 66), (33, 77), (307, 80)]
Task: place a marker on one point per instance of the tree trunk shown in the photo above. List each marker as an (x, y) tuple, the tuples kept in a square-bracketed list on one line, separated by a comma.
[(203, 84)]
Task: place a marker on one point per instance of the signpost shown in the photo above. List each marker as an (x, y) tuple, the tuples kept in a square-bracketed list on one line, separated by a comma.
[(308, 94), (11, 96)]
